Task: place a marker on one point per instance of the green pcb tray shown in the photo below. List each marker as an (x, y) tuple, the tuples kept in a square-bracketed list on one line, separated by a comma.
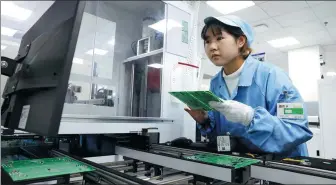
[(196, 100), (40, 168), (223, 160)]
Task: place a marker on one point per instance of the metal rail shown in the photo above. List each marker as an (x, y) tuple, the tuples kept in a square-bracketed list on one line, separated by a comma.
[(316, 171), (206, 170), (292, 174), (175, 150), (110, 176)]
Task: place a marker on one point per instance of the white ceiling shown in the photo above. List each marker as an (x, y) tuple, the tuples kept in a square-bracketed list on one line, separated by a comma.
[(303, 20)]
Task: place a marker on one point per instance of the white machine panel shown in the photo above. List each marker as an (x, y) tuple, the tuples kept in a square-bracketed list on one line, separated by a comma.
[(178, 36), (327, 99), (314, 145)]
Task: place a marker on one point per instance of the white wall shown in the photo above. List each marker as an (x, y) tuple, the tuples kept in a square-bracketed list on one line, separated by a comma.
[(330, 57), (279, 59), (304, 70)]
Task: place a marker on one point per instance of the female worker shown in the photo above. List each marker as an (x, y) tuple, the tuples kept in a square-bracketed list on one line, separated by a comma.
[(255, 94)]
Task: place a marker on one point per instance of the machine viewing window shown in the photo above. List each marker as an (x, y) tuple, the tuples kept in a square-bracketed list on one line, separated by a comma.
[(109, 76), (146, 91)]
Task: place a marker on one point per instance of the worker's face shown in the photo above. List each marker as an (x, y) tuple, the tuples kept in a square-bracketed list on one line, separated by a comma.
[(221, 47)]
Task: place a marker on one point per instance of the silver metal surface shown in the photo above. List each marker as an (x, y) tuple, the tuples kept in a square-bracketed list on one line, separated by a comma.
[(172, 150), (106, 159), (102, 173), (145, 96), (176, 180), (94, 118), (131, 91), (142, 56), (287, 177), (206, 170), (302, 169), (91, 102)]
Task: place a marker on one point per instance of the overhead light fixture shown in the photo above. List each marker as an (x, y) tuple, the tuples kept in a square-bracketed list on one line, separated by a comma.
[(156, 65), (3, 47), (282, 42), (10, 9), (111, 42), (7, 31), (164, 24), (331, 73), (227, 7), (78, 61), (260, 28), (97, 51), (11, 43)]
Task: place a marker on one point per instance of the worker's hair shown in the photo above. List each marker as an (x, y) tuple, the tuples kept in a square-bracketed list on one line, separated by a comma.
[(217, 27)]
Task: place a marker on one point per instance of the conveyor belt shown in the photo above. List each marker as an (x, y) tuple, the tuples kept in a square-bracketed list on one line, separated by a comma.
[(163, 156), (103, 173), (292, 174)]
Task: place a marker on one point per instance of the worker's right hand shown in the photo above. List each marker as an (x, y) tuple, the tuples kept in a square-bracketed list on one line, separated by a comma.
[(198, 115)]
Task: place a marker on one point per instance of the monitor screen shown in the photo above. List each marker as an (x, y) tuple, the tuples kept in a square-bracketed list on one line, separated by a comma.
[(34, 95)]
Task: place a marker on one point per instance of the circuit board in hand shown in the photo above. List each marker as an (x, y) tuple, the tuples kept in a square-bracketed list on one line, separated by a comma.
[(196, 100), (40, 168), (223, 160)]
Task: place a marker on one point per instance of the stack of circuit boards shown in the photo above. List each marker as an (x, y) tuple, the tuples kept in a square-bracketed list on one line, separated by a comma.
[(197, 100), (222, 160), (40, 168)]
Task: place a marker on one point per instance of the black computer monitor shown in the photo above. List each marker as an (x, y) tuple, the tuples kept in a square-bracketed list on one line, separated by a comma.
[(34, 95)]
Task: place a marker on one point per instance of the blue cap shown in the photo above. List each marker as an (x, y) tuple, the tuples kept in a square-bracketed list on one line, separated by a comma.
[(235, 21)]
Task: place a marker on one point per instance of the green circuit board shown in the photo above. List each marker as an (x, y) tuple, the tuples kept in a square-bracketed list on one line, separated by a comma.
[(196, 100), (39, 168), (224, 160)]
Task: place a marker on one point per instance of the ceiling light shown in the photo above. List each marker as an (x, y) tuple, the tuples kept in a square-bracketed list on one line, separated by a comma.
[(10, 9), (78, 61), (260, 28), (163, 24), (11, 43), (156, 65), (3, 47), (7, 31), (96, 51), (227, 7), (331, 73), (282, 42)]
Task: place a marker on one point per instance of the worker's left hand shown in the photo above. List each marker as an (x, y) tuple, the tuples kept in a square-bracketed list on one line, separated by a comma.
[(234, 111)]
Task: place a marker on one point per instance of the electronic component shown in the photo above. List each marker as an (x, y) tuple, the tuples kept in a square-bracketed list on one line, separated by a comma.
[(196, 99), (223, 160), (38, 168)]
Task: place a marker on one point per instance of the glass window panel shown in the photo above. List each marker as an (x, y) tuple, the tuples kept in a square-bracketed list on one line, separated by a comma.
[(111, 32)]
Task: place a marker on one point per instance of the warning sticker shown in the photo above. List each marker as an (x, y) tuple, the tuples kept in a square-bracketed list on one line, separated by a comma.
[(24, 116)]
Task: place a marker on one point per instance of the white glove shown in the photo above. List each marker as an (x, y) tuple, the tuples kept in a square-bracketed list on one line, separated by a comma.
[(234, 111)]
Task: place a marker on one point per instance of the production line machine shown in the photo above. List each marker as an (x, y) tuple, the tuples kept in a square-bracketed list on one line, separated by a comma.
[(142, 160), (34, 97)]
